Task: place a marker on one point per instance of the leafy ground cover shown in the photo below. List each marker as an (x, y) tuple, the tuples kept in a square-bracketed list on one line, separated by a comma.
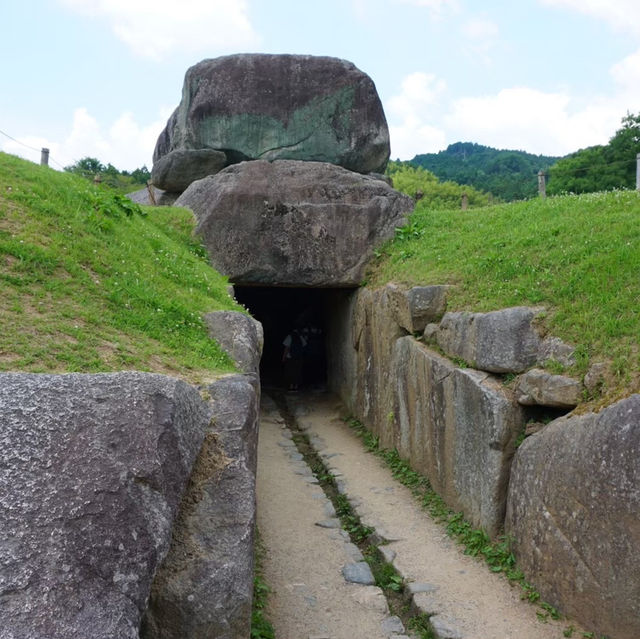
[(577, 256), (91, 282)]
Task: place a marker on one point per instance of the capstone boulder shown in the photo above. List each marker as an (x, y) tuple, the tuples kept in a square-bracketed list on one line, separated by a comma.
[(270, 107), (294, 223)]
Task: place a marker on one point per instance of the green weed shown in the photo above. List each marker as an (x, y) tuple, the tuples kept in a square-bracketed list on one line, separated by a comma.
[(497, 553)]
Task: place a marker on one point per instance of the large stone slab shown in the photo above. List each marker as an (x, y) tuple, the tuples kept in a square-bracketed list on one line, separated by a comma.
[(176, 170), (503, 341), (573, 507), (92, 470), (296, 107), (204, 587), (293, 223), (458, 427), (239, 335)]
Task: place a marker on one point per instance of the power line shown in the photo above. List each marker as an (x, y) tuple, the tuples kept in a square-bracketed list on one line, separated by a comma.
[(30, 147), (18, 141)]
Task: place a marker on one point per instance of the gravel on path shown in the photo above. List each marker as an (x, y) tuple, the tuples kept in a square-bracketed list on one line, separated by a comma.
[(304, 558)]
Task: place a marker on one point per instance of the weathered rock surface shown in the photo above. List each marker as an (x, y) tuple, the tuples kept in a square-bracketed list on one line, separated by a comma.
[(204, 587), (296, 107), (595, 376), (239, 335), (414, 308), (537, 387), (176, 170), (375, 331), (458, 427), (554, 349), (160, 197), (502, 341), (293, 223), (573, 510), (92, 472)]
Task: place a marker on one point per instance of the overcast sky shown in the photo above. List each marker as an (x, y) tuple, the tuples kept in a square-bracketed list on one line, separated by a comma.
[(100, 77)]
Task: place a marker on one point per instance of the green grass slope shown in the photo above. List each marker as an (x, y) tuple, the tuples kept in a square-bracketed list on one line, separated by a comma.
[(91, 282), (578, 256)]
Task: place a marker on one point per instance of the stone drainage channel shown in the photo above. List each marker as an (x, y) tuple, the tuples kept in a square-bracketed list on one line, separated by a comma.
[(323, 504)]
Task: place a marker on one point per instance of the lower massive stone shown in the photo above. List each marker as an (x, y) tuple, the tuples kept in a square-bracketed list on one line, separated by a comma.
[(293, 223), (573, 507), (92, 470)]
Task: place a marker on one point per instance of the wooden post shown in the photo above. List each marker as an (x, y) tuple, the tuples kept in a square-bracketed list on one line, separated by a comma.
[(465, 201), (44, 157), (152, 195), (637, 171), (542, 188)]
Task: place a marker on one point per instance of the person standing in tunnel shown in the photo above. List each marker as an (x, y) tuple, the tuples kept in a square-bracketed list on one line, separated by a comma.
[(293, 359)]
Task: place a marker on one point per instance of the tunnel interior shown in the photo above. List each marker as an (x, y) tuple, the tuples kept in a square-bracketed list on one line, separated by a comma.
[(282, 311)]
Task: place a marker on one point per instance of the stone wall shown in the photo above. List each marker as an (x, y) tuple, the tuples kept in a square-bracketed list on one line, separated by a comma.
[(568, 496)]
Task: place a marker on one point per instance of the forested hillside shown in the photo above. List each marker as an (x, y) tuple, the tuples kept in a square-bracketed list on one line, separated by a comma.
[(601, 167), (508, 175)]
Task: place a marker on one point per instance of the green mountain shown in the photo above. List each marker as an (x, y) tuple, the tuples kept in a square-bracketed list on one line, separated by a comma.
[(508, 175)]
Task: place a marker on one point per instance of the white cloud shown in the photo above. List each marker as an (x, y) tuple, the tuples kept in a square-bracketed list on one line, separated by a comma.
[(620, 14), (531, 120), (437, 8), (125, 144), (156, 28), (480, 36), (407, 113), (626, 74)]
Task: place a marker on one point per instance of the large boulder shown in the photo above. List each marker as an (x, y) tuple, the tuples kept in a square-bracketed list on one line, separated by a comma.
[(239, 335), (297, 107), (92, 472), (458, 427), (176, 170), (573, 505), (204, 588), (293, 223), (503, 341)]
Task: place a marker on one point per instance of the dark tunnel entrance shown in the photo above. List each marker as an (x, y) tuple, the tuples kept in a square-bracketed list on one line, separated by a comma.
[(281, 312)]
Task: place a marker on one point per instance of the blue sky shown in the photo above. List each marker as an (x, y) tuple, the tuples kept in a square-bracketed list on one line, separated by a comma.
[(101, 77)]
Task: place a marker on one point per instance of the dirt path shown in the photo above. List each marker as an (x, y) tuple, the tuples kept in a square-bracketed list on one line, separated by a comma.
[(304, 563)]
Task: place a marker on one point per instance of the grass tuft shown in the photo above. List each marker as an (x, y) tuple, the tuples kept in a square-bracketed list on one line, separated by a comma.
[(90, 281)]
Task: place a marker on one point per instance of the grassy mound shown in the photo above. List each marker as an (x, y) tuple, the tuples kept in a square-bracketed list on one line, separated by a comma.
[(91, 282), (578, 256)]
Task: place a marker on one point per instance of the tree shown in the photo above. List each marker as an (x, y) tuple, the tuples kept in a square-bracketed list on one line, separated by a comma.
[(124, 181), (86, 167), (434, 194), (600, 168)]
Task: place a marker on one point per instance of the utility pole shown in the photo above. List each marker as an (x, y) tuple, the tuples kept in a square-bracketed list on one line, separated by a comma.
[(542, 187)]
